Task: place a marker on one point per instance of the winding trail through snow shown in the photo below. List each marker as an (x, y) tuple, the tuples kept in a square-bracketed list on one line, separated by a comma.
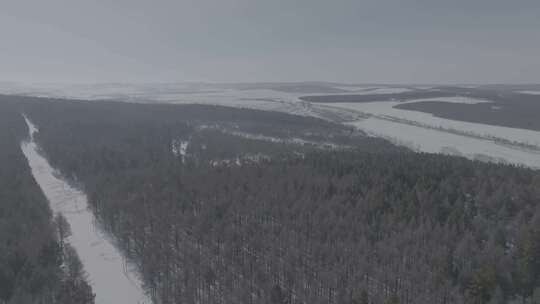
[(110, 276)]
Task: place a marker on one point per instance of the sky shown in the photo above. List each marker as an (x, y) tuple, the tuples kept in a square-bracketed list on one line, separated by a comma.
[(353, 41)]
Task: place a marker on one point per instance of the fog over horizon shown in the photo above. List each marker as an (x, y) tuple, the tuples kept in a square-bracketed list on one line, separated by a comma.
[(366, 41)]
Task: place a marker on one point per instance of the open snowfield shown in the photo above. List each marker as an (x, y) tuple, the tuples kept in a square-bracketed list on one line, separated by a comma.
[(375, 90), (427, 133), (385, 109), (196, 93), (457, 99), (422, 131), (433, 141), (530, 92), (102, 261)]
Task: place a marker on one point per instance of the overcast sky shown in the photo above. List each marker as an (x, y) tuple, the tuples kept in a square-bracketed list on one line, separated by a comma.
[(390, 41)]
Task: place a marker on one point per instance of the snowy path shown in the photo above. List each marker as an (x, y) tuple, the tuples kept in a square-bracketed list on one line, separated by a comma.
[(110, 277)]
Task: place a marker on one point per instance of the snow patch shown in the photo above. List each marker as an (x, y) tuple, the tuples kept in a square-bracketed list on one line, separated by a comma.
[(179, 148), (295, 140), (241, 160)]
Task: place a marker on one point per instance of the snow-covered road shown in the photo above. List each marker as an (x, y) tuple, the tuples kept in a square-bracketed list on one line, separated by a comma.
[(110, 276)]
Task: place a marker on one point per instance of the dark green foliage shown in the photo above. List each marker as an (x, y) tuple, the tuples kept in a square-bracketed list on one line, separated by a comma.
[(276, 295), (360, 298), (393, 299)]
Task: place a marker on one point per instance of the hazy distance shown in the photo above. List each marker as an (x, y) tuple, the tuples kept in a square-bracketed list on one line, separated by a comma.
[(385, 41)]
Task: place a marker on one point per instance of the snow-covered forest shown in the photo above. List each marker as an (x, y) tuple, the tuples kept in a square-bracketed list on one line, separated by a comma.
[(212, 204)]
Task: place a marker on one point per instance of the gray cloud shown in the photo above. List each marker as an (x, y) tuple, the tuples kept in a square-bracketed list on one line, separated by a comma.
[(258, 40)]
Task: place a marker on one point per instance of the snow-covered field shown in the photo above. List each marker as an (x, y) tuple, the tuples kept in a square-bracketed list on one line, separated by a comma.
[(530, 92), (427, 133), (102, 261), (385, 109), (433, 141), (456, 99), (260, 99), (184, 93), (375, 90), (516, 146), (295, 141)]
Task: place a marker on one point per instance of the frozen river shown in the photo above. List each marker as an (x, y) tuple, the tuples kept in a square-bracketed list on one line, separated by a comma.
[(424, 132), (111, 278)]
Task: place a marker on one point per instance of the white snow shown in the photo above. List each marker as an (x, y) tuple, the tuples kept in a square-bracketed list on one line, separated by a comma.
[(456, 99), (433, 141), (295, 140), (113, 279), (385, 109), (427, 133), (374, 90), (240, 160), (260, 99), (180, 93), (179, 148), (355, 88), (530, 92), (389, 90)]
